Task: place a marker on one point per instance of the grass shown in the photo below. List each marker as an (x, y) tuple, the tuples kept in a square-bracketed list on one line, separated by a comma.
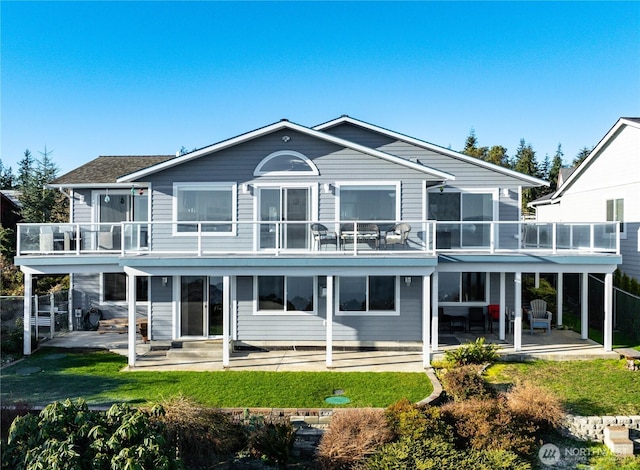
[(595, 387), (97, 377)]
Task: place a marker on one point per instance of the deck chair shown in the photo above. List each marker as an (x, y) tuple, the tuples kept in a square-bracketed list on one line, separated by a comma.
[(323, 236), (397, 235), (539, 317)]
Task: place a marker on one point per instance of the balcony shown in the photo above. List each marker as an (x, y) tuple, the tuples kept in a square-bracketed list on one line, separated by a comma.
[(335, 238)]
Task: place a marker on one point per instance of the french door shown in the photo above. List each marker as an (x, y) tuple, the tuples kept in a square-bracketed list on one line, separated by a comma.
[(201, 306), (289, 205)]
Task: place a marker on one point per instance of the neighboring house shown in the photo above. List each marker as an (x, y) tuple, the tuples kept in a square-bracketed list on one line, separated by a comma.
[(604, 187), (345, 234)]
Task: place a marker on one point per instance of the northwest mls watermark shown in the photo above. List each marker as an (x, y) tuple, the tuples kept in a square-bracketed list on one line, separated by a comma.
[(551, 454)]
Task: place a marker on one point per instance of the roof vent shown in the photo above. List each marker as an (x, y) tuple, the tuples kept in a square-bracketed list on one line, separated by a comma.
[(284, 119)]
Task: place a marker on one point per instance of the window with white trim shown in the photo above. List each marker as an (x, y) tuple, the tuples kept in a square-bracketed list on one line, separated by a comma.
[(285, 294), (615, 212), (367, 294), (369, 202), (456, 287), (286, 163), (211, 203)]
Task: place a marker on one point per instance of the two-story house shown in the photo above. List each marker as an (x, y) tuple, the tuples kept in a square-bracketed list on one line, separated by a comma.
[(604, 187), (344, 234)]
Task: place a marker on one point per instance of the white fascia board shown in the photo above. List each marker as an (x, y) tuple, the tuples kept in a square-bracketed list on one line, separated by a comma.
[(275, 127), (97, 186), (435, 148), (594, 154)]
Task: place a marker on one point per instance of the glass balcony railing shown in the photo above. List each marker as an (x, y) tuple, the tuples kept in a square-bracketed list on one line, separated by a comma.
[(363, 238)]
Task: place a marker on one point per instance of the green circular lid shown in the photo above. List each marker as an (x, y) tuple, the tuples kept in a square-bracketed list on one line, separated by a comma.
[(341, 400)]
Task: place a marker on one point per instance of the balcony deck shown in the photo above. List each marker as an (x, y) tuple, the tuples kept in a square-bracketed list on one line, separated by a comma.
[(424, 238)]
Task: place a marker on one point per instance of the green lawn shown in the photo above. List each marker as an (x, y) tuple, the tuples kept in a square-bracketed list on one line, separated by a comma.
[(595, 387), (97, 377)]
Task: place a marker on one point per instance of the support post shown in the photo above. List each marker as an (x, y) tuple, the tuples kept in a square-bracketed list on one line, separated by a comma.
[(502, 306), (52, 314), (517, 324), (608, 312), (132, 320), (426, 310), (226, 295), (584, 307), (330, 304), (560, 297), (434, 312), (28, 295)]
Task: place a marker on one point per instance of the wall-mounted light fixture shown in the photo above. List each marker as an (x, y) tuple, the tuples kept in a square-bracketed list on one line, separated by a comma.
[(407, 281), (245, 188), (327, 188), (164, 281), (107, 198), (505, 192)]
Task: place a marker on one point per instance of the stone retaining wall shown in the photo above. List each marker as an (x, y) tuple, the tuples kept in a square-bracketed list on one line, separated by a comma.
[(592, 427)]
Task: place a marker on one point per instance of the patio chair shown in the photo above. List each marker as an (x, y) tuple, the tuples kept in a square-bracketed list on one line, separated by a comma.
[(323, 236), (476, 317), (397, 235), (539, 316)]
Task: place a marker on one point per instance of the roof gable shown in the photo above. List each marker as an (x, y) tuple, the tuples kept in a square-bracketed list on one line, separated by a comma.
[(530, 180), (595, 153), (280, 125)]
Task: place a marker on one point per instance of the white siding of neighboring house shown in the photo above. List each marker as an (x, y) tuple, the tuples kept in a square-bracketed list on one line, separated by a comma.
[(613, 174)]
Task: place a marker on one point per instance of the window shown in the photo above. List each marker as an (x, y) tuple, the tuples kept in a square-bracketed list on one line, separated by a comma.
[(615, 212), (281, 294), (462, 287), (114, 288), (467, 207), (286, 163), (372, 294), (215, 202), (368, 203)]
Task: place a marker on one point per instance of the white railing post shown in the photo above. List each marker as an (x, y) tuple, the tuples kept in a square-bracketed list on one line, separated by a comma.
[(554, 240), (592, 237), (199, 238), (52, 314), (492, 237)]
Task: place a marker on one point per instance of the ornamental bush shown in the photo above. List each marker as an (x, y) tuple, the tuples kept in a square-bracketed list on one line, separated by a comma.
[(477, 352), (68, 435), (464, 382)]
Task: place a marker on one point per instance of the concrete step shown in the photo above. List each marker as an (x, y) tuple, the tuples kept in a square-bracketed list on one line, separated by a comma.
[(189, 354), (616, 438), (204, 344)]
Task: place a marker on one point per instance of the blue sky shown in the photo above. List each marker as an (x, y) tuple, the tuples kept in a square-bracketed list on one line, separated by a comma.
[(129, 78)]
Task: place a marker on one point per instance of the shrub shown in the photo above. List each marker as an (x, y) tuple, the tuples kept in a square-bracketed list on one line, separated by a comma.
[(489, 424), (11, 337), (273, 441), (70, 436), (477, 352), (536, 405), (613, 462), (201, 435), (464, 382), (354, 435), (408, 420), (410, 454)]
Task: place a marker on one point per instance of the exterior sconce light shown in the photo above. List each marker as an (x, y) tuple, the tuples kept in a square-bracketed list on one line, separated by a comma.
[(164, 281), (407, 281), (245, 188), (107, 198), (326, 188), (505, 192)]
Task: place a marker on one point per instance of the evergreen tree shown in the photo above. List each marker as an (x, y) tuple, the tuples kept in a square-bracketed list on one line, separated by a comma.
[(6, 177), (525, 162), (40, 205), (582, 154), (556, 166), (471, 148)]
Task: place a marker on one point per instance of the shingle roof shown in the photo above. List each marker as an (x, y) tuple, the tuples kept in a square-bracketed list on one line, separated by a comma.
[(108, 169)]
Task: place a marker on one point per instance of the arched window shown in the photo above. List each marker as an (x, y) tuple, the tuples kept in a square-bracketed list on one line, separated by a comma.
[(286, 162)]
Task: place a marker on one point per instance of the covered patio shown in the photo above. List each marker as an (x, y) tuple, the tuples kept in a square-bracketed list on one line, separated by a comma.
[(560, 345)]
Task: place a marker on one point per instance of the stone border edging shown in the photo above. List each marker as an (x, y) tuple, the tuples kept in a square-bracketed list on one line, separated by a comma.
[(592, 427)]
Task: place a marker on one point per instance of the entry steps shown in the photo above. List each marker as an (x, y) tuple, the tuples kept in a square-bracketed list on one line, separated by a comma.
[(616, 438), (208, 350)]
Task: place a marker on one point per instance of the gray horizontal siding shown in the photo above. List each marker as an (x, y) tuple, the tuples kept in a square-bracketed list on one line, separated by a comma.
[(300, 328), (161, 309), (630, 251)]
